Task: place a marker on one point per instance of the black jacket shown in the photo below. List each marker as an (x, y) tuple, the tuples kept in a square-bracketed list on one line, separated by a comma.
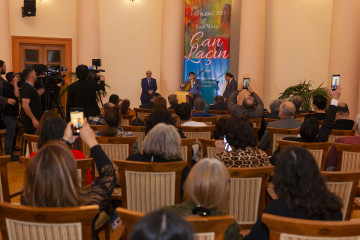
[(218, 106)]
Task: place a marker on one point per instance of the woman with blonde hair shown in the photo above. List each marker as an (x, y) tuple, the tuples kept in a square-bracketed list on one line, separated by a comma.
[(207, 193)]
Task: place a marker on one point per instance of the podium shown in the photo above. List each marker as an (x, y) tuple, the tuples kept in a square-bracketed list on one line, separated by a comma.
[(183, 97)]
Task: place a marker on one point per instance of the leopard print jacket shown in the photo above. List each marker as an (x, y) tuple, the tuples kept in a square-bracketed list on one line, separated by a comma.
[(244, 158)]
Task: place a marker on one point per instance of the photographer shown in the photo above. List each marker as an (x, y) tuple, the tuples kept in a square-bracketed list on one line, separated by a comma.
[(4, 100), (82, 93)]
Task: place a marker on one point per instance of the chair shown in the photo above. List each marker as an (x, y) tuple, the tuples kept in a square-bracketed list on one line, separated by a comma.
[(220, 113), (141, 112), (24, 222), (348, 157), (344, 185), (126, 119), (97, 128), (175, 116), (256, 121), (207, 120), (32, 141), (301, 116), (198, 132), (186, 150), (334, 134), (247, 193), (5, 195), (139, 132), (208, 148), (2, 135), (117, 147), (279, 133), (148, 186), (299, 229), (318, 149)]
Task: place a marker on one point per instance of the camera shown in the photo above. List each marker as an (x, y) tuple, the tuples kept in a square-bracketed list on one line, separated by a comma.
[(94, 69), (52, 78)]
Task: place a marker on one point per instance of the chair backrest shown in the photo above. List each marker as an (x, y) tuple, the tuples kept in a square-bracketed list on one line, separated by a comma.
[(129, 218), (348, 157), (256, 122), (32, 141), (186, 150), (344, 185), (301, 116), (148, 186), (24, 222), (139, 132), (126, 119), (198, 132), (279, 133), (97, 128), (220, 113), (247, 193), (117, 147), (300, 229), (319, 150), (141, 112), (4, 181), (207, 120), (334, 134), (208, 148)]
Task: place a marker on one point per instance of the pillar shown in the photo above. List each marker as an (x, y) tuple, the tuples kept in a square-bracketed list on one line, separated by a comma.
[(5, 39)]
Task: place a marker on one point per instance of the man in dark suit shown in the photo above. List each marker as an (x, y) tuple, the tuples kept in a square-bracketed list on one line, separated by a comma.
[(342, 121), (148, 86), (150, 103), (231, 86), (219, 104), (319, 104)]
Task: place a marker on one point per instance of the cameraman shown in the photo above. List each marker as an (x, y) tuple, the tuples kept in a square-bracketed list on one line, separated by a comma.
[(82, 93)]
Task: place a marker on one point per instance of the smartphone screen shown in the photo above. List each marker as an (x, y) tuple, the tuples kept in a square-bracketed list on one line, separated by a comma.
[(246, 82), (227, 145), (77, 119), (335, 82)]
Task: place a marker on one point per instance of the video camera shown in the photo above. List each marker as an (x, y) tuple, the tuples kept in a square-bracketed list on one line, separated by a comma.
[(94, 69), (53, 77)]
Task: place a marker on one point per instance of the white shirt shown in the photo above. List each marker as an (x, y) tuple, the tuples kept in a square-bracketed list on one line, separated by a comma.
[(193, 124)]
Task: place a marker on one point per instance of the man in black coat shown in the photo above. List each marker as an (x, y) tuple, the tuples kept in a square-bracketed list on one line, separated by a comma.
[(219, 104), (231, 86)]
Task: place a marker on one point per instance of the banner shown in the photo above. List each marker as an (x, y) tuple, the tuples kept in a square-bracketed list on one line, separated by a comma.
[(207, 43)]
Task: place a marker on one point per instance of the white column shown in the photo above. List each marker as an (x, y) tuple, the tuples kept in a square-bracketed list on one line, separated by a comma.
[(5, 39)]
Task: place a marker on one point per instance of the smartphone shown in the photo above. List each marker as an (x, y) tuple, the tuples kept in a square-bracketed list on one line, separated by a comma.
[(246, 82), (77, 119), (335, 82), (227, 145)]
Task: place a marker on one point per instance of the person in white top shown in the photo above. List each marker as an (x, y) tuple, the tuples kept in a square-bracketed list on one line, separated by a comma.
[(183, 110)]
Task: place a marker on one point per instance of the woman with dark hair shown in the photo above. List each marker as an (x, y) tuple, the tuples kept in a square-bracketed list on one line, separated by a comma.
[(161, 116), (112, 117), (124, 106), (241, 150), (159, 103), (49, 114), (219, 132), (162, 224), (301, 190)]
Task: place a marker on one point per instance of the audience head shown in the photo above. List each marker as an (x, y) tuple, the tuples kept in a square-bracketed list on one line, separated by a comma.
[(82, 72), (158, 116), (162, 225), (125, 106), (106, 106), (153, 96), (220, 128), (159, 103), (52, 168), (357, 125), (172, 99), (112, 119), (52, 129), (148, 74), (183, 110), (208, 185), (48, 114), (297, 101), (298, 181), (236, 111), (199, 105), (3, 67), (239, 133), (10, 76), (275, 105), (191, 75), (40, 69), (309, 130), (114, 99), (29, 75), (162, 140), (248, 103), (319, 101), (287, 109), (218, 99), (343, 111)]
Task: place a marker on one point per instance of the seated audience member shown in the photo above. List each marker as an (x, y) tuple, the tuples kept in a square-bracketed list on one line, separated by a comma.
[(161, 116), (48, 114), (159, 103), (252, 106), (124, 107), (51, 176), (342, 121), (286, 113), (173, 101), (319, 105), (183, 110), (114, 99), (220, 127), (244, 153), (207, 193), (112, 118), (137, 122), (219, 104), (297, 101), (274, 114), (99, 120), (200, 107), (331, 159), (162, 225), (150, 104), (301, 190)]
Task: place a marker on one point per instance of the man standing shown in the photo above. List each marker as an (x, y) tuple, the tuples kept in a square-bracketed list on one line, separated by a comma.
[(4, 100), (231, 86), (31, 102), (148, 86), (194, 89)]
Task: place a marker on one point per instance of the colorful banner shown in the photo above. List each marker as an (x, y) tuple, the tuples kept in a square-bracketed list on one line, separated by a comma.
[(207, 43)]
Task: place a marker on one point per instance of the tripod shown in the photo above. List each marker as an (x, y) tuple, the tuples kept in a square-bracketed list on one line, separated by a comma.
[(52, 97)]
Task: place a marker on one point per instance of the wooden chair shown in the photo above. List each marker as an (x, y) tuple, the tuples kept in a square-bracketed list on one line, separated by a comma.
[(207, 120), (5, 195), (2, 135), (32, 141), (198, 132), (97, 128), (126, 119), (141, 112), (24, 222), (220, 113), (301, 116), (186, 150), (139, 132), (175, 116), (208, 148), (334, 134), (247, 193), (256, 122), (348, 157), (318, 149), (344, 185), (148, 186), (279, 133), (299, 229)]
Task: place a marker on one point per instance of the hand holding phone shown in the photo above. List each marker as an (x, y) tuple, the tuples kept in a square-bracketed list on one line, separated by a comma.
[(246, 82), (77, 119), (335, 82)]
